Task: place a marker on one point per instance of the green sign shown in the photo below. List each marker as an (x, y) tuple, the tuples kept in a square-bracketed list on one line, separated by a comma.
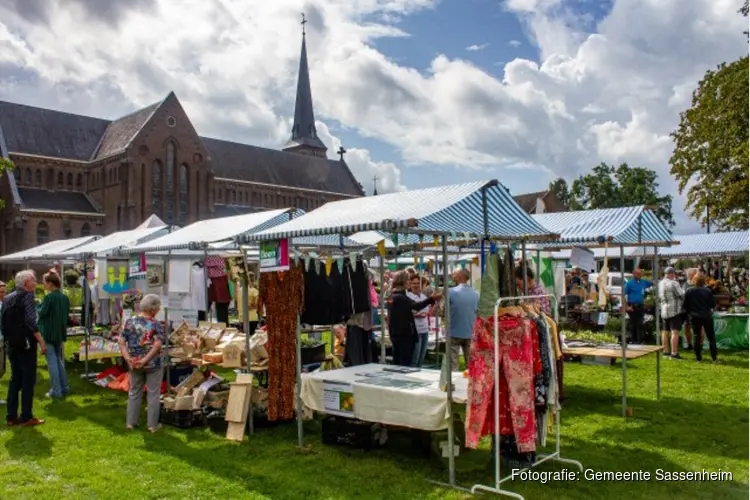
[(274, 255)]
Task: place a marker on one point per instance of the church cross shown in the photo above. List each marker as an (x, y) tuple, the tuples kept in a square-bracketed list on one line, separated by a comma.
[(341, 152), (303, 23)]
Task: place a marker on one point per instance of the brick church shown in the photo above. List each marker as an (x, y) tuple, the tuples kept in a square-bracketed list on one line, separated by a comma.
[(77, 175)]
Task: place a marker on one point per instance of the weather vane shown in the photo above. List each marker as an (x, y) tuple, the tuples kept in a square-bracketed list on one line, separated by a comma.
[(304, 21)]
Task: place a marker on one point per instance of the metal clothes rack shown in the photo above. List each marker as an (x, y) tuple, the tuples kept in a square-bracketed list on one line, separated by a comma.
[(556, 455)]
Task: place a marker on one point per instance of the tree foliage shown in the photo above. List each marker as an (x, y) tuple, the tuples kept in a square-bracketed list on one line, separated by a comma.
[(710, 158), (607, 186), (6, 166), (560, 188)]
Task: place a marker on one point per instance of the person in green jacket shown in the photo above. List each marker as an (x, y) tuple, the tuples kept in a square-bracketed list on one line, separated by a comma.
[(53, 325)]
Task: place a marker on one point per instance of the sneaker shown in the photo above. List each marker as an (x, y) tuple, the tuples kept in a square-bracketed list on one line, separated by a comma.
[(152, 430), (32, 422), (689, 347), (667, 355), (676, 356), (11, 422), (718, 362)]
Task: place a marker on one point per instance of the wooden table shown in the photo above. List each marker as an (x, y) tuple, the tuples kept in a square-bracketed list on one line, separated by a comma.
[(634, 352)]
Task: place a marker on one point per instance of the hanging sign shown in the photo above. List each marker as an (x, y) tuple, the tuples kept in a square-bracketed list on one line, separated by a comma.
[(274, 255), (116, 280), (583, 258), (137, 266)]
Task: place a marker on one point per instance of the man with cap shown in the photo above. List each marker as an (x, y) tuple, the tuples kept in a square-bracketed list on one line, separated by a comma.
[(671, 298)]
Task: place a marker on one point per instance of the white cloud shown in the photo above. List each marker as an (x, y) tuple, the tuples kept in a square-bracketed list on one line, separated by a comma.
[(477, 48), (607, 92), (514, 43)]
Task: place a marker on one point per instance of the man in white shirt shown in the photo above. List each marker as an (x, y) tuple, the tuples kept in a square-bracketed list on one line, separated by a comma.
[(421, 320), (671, 297)]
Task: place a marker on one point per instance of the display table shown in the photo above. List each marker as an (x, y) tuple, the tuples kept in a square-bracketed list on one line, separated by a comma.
[(615, 352), (369, 393), (731, 330)]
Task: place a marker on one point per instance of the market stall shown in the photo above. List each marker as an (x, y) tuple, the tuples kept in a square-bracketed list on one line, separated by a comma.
[(614, 227), (482, 210)]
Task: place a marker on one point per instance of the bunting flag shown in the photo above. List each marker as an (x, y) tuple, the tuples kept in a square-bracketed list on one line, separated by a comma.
[(296, 257), (307, 258), (475, 261), (435, 241), (421, 238), (329, 265), (340, 264), (353, 260), (493, 247), (416, 260), (429, 265), (381, 248), (394, 239), (467, 237)]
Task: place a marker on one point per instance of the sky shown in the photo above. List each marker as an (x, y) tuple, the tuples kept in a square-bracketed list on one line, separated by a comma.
[(420, 92)]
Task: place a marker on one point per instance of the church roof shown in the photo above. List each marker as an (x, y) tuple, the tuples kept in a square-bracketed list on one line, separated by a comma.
[(251, 163), (527, 201), (65, 201), (45, 132), (232, 210), (120, 132)]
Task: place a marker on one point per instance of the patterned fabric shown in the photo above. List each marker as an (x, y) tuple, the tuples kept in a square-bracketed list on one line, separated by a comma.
[(518, 365), (140, 333), (671, 297), (29, 306), (53, 317), (215, 267), (543, 302), (542, 380)]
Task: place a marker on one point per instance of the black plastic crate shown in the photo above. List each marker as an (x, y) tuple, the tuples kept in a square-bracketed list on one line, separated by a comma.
[(314, 354), (353, 433), (183, 419)]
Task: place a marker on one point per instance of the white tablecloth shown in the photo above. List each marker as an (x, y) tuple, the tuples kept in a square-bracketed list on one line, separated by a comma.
[(418, 408)]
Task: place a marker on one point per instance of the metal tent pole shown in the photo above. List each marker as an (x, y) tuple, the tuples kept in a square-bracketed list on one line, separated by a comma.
[(382, 310), (246, 329), (449, 384), (523, 268), (298, 385), (87, 319), (656, 297), (167, 326), (208, 303), (623, 336)]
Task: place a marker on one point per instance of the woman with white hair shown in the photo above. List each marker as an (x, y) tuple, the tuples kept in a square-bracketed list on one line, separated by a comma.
[(140, 344)]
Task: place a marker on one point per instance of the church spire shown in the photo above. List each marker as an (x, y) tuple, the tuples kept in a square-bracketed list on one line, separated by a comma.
[(304, 136)]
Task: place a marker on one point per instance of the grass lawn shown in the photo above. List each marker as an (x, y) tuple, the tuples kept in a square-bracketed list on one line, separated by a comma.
[(84, 452)]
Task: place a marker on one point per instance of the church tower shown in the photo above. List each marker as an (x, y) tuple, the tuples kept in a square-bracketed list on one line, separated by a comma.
[(304, 138)]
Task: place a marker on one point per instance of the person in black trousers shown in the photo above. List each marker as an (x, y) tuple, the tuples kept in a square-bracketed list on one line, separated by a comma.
[(401, 326), (699, 305)]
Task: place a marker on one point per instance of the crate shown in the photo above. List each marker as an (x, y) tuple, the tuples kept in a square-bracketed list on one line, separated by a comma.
[(217, 423), (353, 433), (316, 354), (183, 419)]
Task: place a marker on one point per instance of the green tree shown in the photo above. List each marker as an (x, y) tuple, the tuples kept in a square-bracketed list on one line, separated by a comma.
[(5, 166), (608, 186), (560, 188)]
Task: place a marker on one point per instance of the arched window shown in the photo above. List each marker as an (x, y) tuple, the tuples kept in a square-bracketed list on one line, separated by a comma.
[(234, 196), (79, 181), (182, 213), (85, 229), (50, 178), (17, 175), (156, 188), (169, 198), (27, 177), (70, 181), (38, 178), (219, 194), (42, 233)]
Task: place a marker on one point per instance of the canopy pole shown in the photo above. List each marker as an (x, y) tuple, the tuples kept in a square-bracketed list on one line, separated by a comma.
[(449, 383), (382, 310), (246, 315), (298, 385), (523, 268), (86, 318), (656, 297), (167, 326), (623, 337), (208, 303)]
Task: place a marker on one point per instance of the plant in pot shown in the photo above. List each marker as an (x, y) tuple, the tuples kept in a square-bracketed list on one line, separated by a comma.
[(313, 351), (71, 277)]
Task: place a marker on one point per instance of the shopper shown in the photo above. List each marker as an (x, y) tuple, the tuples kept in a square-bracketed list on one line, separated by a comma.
[(421, 321), (22, 336), (532, 288), (140, 344), (401, 326), (53, 324), (699, 305), (463, 305), (671, 297), (635, 296)]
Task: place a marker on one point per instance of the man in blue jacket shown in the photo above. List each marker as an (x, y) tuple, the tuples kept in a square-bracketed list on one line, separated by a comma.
[(635, 296)]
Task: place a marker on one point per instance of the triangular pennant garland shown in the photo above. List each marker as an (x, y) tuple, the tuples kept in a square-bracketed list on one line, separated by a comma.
[(340, 264), (307, 258), (329, 265)]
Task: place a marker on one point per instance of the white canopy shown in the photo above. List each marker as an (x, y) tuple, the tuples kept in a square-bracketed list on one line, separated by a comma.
[(53, 247), (152, 221), (113, 242)]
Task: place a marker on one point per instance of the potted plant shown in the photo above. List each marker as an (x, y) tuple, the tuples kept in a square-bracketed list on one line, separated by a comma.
[(313, 351), (71, 277)]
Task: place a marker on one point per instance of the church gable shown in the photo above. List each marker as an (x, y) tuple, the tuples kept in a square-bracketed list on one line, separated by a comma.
[(121, 132)]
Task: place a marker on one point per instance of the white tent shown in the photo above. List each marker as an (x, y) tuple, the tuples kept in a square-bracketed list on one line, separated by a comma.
[(113, 242), (39, 253)]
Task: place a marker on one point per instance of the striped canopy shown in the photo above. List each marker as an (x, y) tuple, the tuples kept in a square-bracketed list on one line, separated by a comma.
[(633, 226), (446, 210), (713, 244)]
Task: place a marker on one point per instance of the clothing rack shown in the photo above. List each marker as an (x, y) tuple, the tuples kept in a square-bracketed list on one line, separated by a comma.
[(544, 458)]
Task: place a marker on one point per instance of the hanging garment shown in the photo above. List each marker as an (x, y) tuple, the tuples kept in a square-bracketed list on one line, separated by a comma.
[(218, 291), (359, 339), (196, 299), (179, 275), (359, 284), (323, 295), (542, 381), (490, 286), (215, 267), (519, 362), (282, 295)]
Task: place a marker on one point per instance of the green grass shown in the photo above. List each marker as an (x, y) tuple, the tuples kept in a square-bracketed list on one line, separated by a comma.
[(83, 451)]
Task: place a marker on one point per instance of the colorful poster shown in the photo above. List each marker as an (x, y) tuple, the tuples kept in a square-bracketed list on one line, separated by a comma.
[(116, 280), (274, 255), (137, 266), (338, 398)]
